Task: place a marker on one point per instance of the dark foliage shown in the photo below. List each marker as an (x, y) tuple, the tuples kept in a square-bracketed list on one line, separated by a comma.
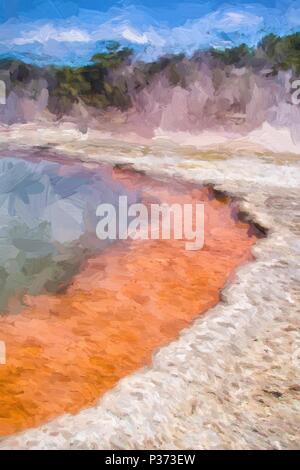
[(112, 76)]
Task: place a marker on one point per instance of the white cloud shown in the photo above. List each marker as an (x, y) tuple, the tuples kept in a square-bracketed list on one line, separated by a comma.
[(135, 37), (47, 32), (238, 19), (196, 32), (73, 35), (223, 27)]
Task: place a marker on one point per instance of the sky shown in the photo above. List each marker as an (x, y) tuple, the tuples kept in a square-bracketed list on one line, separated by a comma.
[(71, 31)]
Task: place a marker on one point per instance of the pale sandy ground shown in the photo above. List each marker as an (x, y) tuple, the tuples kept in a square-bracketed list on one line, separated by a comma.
[(231, 380)]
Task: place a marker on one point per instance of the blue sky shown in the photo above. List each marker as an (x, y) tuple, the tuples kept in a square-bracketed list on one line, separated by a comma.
[(61, 31)]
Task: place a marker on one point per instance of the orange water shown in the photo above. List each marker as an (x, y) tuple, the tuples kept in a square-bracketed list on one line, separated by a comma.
[(64, 351)]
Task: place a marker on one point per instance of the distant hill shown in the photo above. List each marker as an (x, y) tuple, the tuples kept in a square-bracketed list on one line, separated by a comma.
[(215, 86)]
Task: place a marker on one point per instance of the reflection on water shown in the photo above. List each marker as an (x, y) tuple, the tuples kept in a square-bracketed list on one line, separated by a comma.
[(47, 223)]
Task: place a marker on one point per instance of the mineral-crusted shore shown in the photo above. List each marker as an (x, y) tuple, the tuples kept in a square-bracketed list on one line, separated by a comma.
[(231, 380)]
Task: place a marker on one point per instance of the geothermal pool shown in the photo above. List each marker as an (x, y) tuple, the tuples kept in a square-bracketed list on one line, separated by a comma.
[(77, 314)]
